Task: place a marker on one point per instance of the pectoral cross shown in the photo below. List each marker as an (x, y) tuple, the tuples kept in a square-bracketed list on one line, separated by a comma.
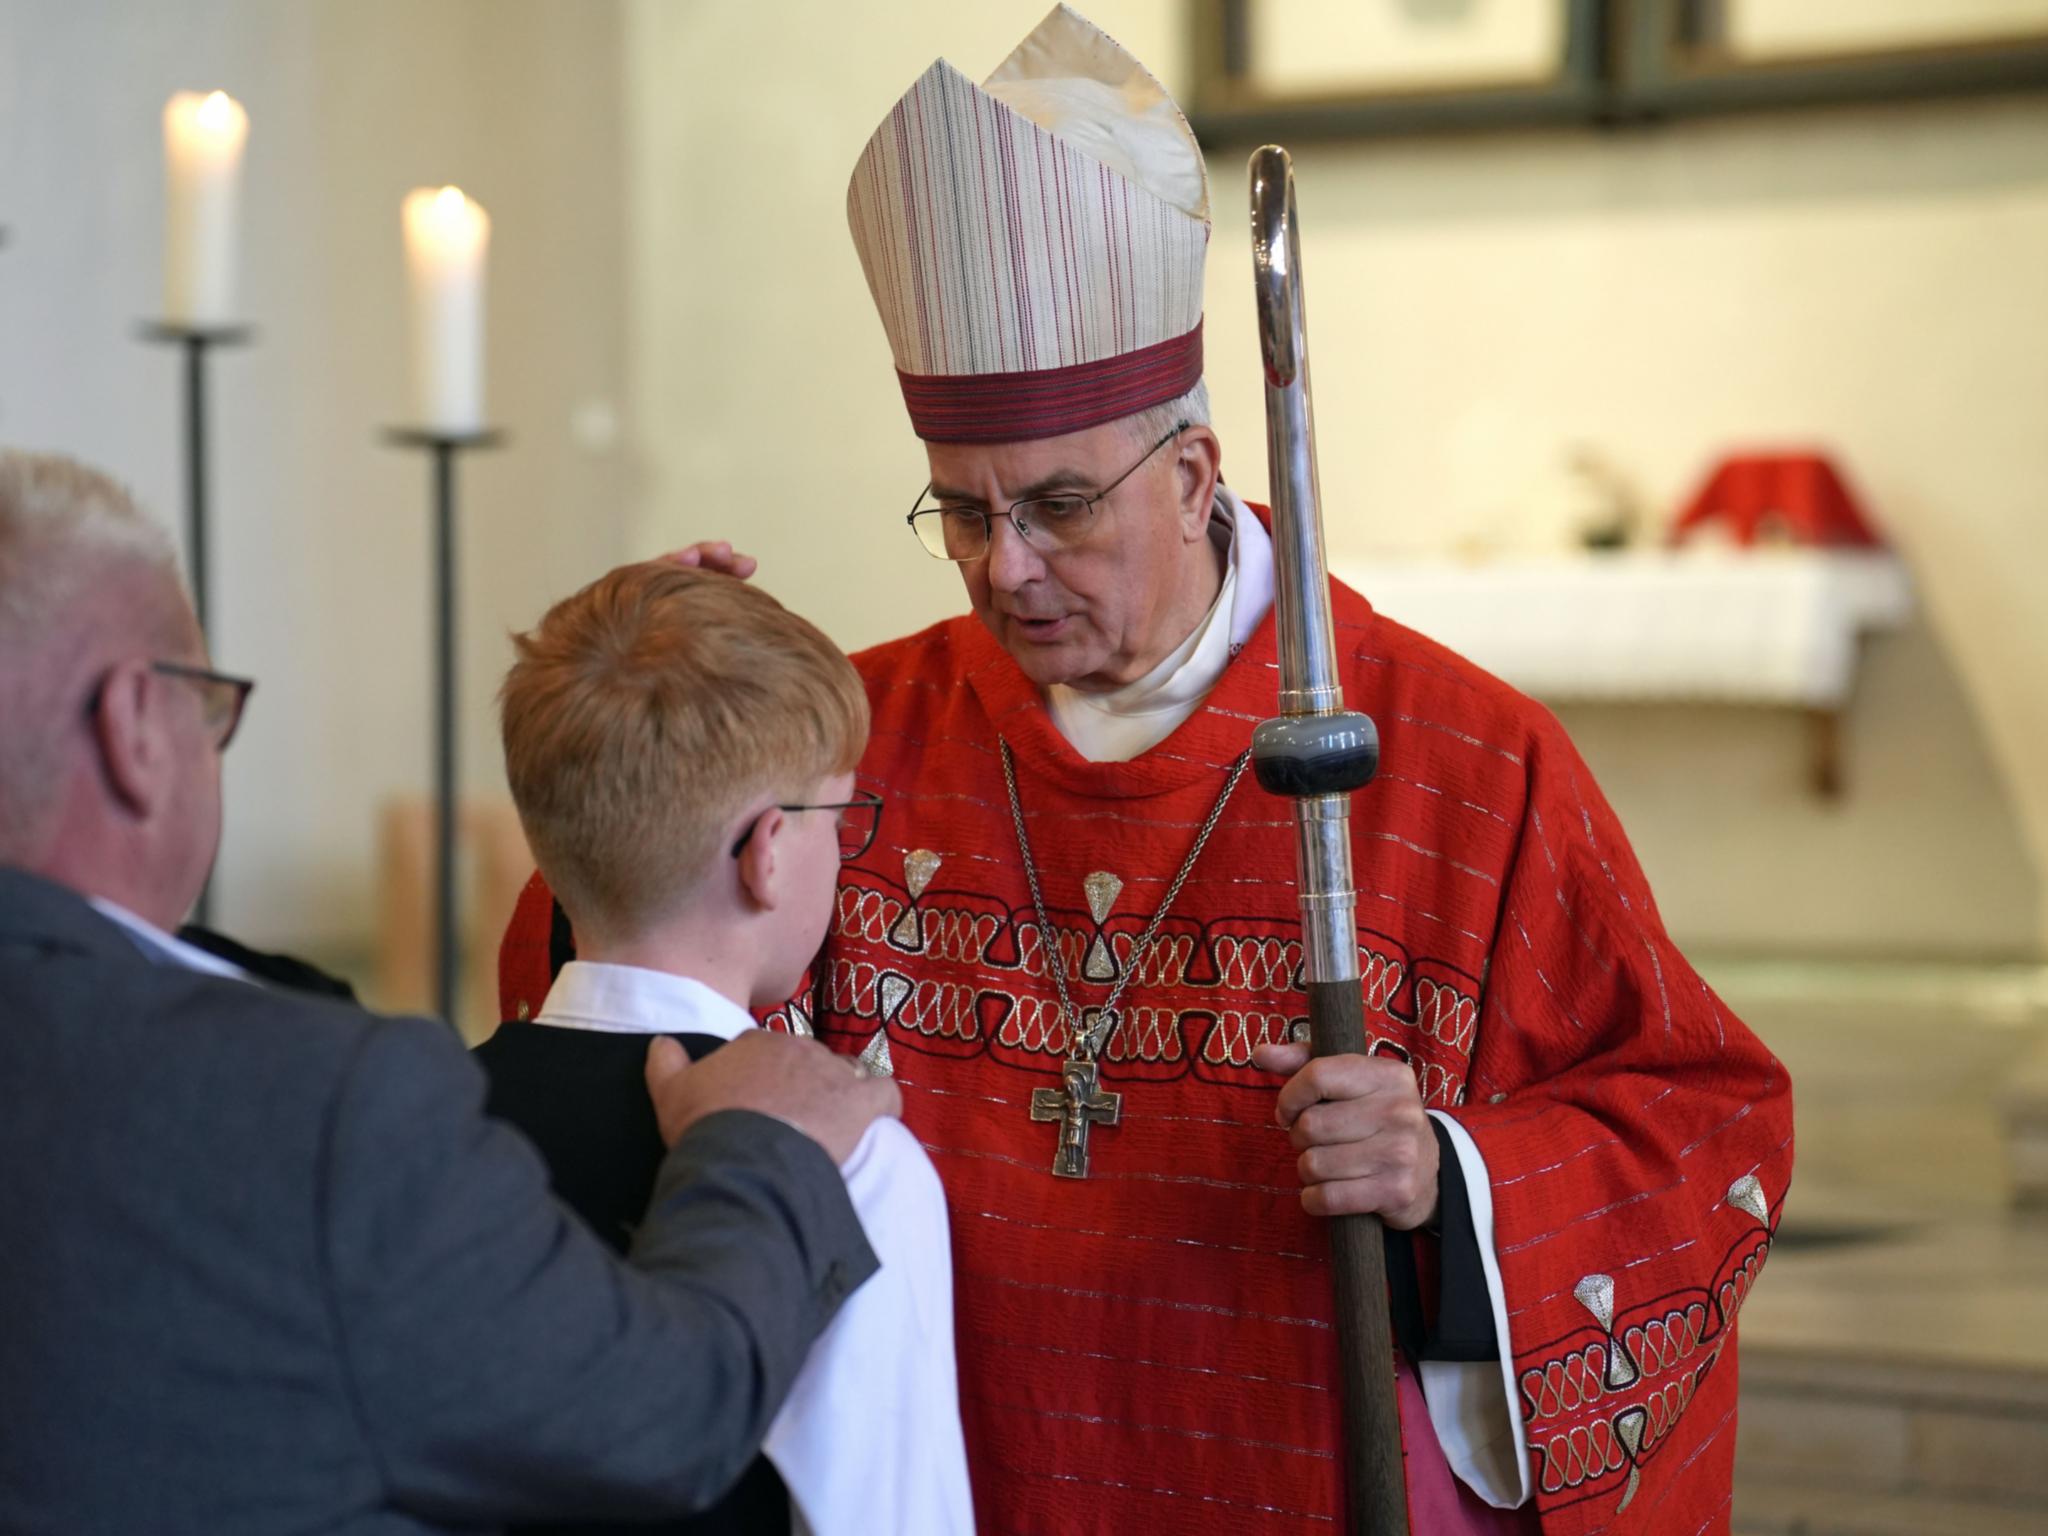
[(1076, 1105)]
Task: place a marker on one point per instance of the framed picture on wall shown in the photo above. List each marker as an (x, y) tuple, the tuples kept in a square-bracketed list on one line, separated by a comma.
[(1270, 68), (1320, 69), (1686, 56)]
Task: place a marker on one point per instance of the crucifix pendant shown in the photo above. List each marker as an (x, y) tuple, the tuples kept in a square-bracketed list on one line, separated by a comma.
[(1076, 1105)]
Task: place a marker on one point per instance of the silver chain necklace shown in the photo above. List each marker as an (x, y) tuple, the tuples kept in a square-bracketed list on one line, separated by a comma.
[(1077, 1104)]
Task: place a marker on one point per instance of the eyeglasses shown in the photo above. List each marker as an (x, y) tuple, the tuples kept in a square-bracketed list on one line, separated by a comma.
[(222, 697), (1045, 522), (859, 819)]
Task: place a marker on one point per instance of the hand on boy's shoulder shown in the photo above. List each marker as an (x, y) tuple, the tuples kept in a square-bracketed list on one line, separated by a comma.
[(799, 1082), (715, 555)]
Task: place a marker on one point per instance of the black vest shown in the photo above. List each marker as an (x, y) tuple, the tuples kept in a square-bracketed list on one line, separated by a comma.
[(581, 1097)]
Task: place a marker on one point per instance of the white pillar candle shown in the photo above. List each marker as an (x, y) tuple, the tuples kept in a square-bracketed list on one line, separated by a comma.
[(446, 238), (203, 139)]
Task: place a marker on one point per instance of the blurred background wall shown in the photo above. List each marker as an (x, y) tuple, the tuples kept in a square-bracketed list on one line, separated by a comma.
[(681, 347), (321, 563), (1875, 280)]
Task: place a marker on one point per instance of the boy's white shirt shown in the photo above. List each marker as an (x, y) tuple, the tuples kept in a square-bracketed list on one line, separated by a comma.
[(869, 1438)]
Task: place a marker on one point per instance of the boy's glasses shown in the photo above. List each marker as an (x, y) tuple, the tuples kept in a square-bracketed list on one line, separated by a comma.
[(859, 819)]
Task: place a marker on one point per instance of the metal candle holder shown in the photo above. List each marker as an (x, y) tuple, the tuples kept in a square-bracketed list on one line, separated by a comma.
[(197, 341), (443, 447)]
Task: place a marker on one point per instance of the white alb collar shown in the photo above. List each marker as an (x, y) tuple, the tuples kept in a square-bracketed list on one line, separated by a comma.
[(630, 1000)]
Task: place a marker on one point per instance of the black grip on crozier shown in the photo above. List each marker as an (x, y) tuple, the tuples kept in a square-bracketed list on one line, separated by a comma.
[(1308, 755), (1365, 1337)]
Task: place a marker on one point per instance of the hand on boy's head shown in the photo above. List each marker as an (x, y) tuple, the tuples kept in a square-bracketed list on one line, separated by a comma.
[(715, 555), (799, 1082)]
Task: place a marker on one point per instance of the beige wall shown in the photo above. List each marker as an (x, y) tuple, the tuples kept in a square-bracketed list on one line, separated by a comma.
[(322, 573), (667, 185), (1875, 280)]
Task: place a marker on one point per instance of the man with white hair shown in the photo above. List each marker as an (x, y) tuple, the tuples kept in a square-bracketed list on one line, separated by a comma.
[(94, 626), (267, 1266), (1077, 939)]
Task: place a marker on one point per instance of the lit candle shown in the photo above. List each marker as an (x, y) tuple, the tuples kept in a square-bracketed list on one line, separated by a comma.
[(203, 139), (446, 237)]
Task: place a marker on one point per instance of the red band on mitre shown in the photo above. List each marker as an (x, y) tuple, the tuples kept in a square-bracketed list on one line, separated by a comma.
[(1048, 402)]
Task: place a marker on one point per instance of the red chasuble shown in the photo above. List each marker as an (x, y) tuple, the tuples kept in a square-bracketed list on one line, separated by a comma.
[(1151, 1349)]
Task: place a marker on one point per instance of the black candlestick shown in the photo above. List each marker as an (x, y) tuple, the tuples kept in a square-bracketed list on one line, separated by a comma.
[(196, 340), (444, 446)]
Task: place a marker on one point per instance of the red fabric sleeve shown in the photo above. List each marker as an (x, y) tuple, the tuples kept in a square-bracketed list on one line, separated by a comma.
[(1639, 1158)]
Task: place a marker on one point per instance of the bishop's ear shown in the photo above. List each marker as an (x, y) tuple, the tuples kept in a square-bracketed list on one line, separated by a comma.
[(131, 729), (1198, 461)]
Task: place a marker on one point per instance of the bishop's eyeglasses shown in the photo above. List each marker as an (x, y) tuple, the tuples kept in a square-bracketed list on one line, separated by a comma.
[(859, 819), (1047, 523)]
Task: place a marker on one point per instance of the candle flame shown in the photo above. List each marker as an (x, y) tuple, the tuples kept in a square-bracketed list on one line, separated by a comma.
[(217, 111), (444, 218)]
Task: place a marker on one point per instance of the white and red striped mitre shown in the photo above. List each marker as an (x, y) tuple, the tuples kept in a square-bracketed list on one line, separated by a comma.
[(1034, 244)]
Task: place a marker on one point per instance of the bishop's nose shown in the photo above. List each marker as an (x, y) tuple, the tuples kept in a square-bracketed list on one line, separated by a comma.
[(1012, 562)]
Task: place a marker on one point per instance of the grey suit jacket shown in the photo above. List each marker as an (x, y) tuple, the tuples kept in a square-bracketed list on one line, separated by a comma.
[(266, 1266)]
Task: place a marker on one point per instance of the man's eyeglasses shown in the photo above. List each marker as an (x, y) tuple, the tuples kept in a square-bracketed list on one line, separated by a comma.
[(859, 819), (222, 697), (961, 533)]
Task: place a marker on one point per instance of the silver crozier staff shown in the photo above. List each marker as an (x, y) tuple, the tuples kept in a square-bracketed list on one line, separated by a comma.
[(1317, 753)]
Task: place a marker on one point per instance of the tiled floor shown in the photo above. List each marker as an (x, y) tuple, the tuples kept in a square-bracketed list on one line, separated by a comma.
[(1895, 1352), (1899, 1236), (1971, 1290)]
